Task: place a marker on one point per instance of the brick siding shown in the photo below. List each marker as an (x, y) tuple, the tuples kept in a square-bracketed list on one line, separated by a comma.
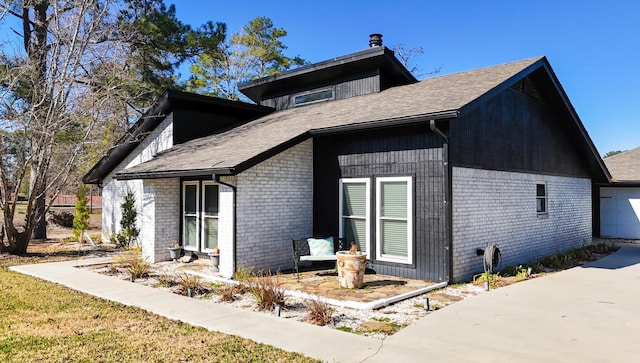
[(499, 208), (113, 191), (274, 205)]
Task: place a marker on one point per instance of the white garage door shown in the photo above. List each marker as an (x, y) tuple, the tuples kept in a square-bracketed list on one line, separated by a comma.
[(620, 212)]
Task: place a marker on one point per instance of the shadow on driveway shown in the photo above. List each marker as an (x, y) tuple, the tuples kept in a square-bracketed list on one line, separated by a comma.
[(627, 255)]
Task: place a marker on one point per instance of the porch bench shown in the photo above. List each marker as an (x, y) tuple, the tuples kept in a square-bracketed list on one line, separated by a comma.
[(321, 249)]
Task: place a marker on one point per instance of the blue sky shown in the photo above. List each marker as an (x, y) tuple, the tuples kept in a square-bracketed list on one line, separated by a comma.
[(593, 46)]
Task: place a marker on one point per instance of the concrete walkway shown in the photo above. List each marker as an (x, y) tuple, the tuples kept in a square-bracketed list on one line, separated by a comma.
[(585, 314)]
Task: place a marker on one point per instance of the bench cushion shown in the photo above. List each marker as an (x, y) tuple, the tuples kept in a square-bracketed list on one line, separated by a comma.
[(318, 258), (321, 246)]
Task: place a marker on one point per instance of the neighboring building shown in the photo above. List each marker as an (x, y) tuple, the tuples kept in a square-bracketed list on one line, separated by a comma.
[(619, 210), (421, 174)]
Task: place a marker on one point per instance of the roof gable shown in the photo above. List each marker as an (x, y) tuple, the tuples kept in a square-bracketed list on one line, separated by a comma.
[(625, 166), (156, 114), (434, 98)]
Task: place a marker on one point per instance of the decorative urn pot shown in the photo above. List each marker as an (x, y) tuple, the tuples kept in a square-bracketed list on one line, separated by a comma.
[(351, 267)]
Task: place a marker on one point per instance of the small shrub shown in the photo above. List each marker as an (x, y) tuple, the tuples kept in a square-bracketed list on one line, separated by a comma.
[(128, 223), (186, 281), (602, 248), (267, 291), (486, 276), (165, 280), (81, 219), (320, 313), (62, 219), (125, 259), (227, 292), (139, 267), (243, 274)]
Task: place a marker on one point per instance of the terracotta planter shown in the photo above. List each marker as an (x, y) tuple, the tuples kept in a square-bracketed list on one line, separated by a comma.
[(351, 269)]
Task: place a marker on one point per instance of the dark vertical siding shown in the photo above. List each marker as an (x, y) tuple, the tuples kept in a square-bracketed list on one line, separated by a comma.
[(516, 132), (355, 85), (412, 151), (191, 124)]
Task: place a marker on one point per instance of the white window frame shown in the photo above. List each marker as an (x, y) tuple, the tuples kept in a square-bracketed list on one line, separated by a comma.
[(367, 217), (185, 215), (204, 216), (409, 220), (545, 197)]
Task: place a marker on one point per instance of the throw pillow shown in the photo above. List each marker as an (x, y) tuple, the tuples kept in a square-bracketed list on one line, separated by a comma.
[(321, 247)]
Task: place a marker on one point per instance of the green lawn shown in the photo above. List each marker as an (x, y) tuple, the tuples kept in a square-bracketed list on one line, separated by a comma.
[(45, 322)]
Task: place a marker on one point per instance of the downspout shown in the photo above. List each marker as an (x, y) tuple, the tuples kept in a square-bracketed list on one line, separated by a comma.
[(448, 195), (234, 189)]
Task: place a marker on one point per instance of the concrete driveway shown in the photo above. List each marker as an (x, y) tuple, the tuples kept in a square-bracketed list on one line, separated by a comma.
[(585, 314)]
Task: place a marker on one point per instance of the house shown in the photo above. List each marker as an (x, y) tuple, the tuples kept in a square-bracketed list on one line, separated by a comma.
[(420, 174), (619, 201)]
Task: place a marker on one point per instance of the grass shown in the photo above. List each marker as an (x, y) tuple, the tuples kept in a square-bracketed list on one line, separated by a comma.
[(45, 322)]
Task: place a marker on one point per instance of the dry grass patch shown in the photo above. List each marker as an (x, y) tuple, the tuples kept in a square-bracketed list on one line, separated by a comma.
[(41, 321)]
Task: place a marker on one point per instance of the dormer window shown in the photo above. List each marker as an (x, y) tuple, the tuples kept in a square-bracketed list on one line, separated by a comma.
[(314, 96)]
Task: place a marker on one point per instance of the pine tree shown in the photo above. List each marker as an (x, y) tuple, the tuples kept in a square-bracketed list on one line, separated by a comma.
[(81, 218), (130, 231)]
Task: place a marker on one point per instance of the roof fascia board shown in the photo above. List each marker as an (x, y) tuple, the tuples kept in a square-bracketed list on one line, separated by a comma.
[(127, 142), (173, 174)]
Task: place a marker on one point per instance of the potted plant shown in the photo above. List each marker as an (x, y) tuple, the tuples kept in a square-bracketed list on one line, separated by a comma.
[(351, 267), (175, 251), (215, 259)]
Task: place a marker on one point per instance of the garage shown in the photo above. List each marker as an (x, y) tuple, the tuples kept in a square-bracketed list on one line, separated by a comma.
[(620, 212)]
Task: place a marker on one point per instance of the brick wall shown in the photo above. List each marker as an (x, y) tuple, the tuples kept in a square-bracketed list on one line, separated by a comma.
[(160, 225), (161, 138), (494, 207), (274, 205)]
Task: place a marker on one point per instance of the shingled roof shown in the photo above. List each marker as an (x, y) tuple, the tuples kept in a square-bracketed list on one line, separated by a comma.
[(625, 166), (442, 97)]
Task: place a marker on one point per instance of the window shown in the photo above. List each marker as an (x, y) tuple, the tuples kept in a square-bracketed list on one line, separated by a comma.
[(209, 215), (393, 216), (541, 198), (200, 215), (354, 212), (394, 210), (313, 97)]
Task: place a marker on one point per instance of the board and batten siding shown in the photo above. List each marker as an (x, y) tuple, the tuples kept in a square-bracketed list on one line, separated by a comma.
[(515, 132), (354, 86), (412, 151), (499, 208)]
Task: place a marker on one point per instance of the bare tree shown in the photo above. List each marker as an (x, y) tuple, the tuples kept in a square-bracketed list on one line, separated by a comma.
[(405, 56), (49, 102)]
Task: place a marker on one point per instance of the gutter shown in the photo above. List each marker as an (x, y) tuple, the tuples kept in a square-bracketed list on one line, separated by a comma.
[(398, 121), (234, 189), (447, 192)]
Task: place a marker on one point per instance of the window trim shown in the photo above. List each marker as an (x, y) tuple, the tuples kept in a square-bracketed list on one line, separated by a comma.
[(544, 197), (185, 214), (203, 216), (367, 216), (410, 220)]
